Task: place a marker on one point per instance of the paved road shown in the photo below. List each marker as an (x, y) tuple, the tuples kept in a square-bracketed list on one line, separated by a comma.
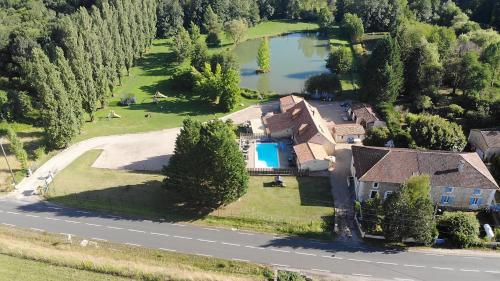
[(320, 257)]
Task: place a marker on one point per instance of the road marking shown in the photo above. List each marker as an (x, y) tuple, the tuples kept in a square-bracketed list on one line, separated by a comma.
[(135, 230), (53, 208), (70, 221), (280, 265), (241, 260), (178, 224), (13, 213), (99, 239), (114, 227), (435, 255), (231, 244), (442, 268), (403, 279), (253, 247), (388, 263), (160, 234), (83, 212), (362, 275), (305, 254), (475, 258), (469, 270), (212, 229), (92, 224), (8, 224), (203, 255), (358, 260), (37, 229), (182, 237), (168, 250), (320, 270), (279, 250), (132, 244), (412, 265), (332, 257), (492, 271), (204, 240), (32, 216), (245, 233), (52, 219)]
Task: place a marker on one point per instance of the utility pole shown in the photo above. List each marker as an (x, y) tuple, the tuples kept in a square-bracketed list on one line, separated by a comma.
[(6, 160)]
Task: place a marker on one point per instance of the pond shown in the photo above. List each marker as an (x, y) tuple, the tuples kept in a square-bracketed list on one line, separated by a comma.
[(294, 58)]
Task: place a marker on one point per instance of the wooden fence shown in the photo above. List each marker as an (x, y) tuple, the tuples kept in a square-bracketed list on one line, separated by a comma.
[(278, 171)]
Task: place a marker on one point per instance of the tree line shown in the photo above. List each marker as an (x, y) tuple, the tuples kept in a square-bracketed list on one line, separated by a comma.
[(69, 65)]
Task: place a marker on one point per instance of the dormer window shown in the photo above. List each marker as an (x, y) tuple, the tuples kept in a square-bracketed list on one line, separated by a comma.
[(477, 191), (375, 185)]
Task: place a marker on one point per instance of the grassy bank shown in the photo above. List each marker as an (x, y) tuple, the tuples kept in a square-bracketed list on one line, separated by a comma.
[(46, 256), (303, 208)]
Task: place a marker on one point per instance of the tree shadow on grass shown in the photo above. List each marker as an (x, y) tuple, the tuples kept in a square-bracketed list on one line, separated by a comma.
[(178, 106), (315, 191), (145, 200), (157, 64)]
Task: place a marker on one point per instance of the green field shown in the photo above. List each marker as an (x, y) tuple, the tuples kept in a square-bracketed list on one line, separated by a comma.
[(28, 255), (17, 269), (302, 208)]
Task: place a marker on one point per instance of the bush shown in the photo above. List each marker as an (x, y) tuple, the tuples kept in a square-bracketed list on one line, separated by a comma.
[(497, 234), (183, 80), (17, 148), (340, 60), (39, 152), (455, 111), (377, 136), (289, 276), (127, 99), (461, 228), (213, 39), (323, 83)]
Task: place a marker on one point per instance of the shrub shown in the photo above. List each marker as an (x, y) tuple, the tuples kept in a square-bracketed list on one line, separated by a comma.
[(39, 152), (455, 111), (213, 39), (461, 228), (434, 132), (289, 276), (340, 60), (497, 234), (183, 80), (18, 148), (371, 214), (127, 99), (323, 83), (377, 136)]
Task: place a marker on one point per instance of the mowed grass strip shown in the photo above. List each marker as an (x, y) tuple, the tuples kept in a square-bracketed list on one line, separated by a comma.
[(116, 260), (304, 207), (14, 268)]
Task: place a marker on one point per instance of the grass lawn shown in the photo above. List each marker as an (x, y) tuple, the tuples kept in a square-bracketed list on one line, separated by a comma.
[(299, 209), (14, 268), (28, 255)]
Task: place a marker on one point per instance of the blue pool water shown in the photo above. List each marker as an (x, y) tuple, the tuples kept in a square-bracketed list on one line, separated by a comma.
[(267, 155)]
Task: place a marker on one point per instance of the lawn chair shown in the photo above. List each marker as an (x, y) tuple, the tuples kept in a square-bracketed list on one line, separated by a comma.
[(278, 181)]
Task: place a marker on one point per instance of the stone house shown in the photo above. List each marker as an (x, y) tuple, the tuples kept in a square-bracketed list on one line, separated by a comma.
[(348, 132), (485, 142), (365, 115), (304, 125), (459, 180)]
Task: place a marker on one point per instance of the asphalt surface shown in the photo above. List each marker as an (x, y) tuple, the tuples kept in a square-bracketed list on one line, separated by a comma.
[(292, 253)]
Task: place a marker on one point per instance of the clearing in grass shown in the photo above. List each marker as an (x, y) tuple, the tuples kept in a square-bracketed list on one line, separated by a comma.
[(304, 207)]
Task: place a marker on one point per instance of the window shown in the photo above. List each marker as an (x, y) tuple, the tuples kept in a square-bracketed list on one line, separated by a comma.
[(447, 200), (475, 201), (448, 189), (477, 191), (375, 185), (373, 194), (387, 193)]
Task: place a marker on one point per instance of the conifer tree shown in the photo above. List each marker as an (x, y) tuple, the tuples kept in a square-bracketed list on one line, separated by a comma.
[(264, 57)]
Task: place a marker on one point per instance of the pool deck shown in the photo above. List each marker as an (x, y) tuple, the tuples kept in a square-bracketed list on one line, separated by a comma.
[(283, 157)]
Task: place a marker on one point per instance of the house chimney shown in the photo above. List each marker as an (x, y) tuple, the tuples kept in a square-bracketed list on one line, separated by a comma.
[(461, 165)]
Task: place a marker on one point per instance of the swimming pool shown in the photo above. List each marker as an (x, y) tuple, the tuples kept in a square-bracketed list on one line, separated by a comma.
[(266, 155)]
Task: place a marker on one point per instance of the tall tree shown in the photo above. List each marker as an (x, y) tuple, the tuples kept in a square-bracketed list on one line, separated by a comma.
[(264, 57), (491, 56), (170, 17), (340, 60), (353, 27), (57, 117), (230, 89), (182, 47), (236, 29), (383, 79)]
